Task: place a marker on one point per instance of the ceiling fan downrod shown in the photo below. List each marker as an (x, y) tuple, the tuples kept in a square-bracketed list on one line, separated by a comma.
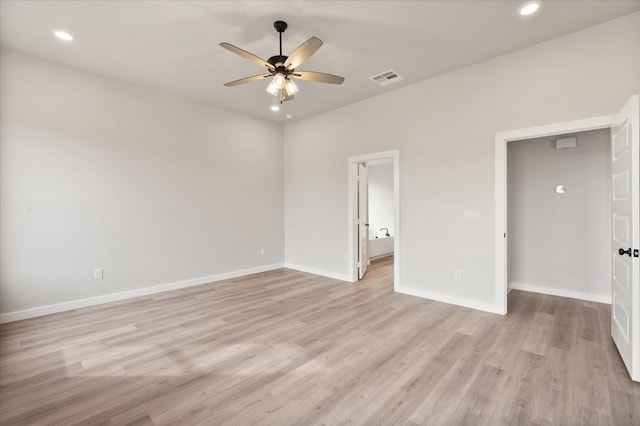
[(280, 27)]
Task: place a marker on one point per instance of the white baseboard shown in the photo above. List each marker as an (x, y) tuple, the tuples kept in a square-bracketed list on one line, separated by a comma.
[(571, 294), (452, 300), (314, 271), (380, 256), (97, 300)]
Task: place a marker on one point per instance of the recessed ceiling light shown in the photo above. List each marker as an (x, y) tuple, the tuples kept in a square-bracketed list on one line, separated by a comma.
[(529, 8), (63, 35), (275, 108), (289, 115)]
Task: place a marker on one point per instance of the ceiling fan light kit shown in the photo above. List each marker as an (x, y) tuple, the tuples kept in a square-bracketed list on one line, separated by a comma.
[(281, 67), (290, 87)]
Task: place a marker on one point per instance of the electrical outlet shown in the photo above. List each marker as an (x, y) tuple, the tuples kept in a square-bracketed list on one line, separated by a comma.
[(458, 275), (97, 274), (263, 251)]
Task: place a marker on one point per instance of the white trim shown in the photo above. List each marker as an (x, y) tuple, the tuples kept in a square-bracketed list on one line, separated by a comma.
[(352, 212), (321, 272), (571, 294), (500, 190), (452, 300), (113, 297), (380, 256)]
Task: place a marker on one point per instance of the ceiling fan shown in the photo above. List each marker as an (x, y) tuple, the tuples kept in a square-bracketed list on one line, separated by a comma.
[(281, 68)]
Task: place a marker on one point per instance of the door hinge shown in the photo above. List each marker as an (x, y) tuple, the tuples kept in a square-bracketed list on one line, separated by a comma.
[(635, 253)]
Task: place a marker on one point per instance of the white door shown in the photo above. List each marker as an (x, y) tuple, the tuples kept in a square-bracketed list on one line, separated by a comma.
[(625, 288), (363, 219)]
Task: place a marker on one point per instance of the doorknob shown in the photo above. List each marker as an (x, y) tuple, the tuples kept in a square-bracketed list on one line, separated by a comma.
[(623, 252)]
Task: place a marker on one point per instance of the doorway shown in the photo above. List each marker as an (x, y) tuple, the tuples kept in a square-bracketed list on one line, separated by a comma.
[(559, 209), (625, 220), (502, 139), (359, 232)]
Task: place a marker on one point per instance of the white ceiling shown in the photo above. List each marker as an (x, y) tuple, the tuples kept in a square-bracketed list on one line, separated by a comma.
[(173, 45)]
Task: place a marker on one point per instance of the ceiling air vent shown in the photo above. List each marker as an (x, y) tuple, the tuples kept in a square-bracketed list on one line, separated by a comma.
[(386, 78)]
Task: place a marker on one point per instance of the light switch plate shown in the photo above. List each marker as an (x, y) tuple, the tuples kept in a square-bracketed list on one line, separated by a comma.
[(472, 215)]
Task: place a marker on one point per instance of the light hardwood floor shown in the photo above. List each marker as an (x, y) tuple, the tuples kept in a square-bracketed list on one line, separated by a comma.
[(285, 347)]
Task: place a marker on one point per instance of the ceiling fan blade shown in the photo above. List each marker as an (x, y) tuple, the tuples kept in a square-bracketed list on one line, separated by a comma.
[(319, 77), (247, 55), (247, 80), (302, 53)]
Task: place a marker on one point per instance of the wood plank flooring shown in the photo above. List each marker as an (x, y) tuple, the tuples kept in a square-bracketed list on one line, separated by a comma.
[(289, 348)]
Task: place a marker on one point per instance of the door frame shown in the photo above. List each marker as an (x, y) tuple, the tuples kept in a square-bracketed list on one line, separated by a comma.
[(500, 205), (352, 182)]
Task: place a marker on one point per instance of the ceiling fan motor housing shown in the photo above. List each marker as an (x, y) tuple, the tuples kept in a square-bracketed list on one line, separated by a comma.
[(278, 62)]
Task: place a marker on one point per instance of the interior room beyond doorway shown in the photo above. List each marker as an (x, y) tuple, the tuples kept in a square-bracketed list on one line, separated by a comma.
[(378, 235), (559, 230)]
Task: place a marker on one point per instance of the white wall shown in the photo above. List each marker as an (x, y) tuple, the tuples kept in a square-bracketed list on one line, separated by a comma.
[(444, 129), (380, 199), (155, 189), (560, 243)]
